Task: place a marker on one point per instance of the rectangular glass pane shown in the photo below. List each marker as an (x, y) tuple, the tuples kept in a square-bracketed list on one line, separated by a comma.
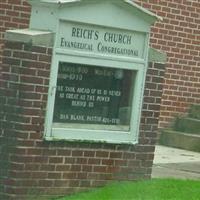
[(93, 97)]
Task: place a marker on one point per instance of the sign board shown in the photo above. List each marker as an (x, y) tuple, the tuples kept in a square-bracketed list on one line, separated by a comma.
[(101, 40), (94, 95), (98, 68)]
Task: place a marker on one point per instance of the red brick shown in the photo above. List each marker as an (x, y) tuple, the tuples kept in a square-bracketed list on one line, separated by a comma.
[(39, 175), (35, 151), (63, 167), (89, 153), (75, 168), (107, 162), (37, 49), (32, 167), (69, 175), (64, 152), (81, 161), (74, 183), (102, 154), (102, 169), (22, 9), (56, 160), (85, 183), (20, 20), (82, 175), (54, 175), (70, 160), (20, 174), (31, 80), (21, 159), (60, 183), (77, 153), (43, 73), (17, 166), (49, 152), (47, 167), (11, 61), (94, 161), (45, 183), (45, 58), (87, 168)]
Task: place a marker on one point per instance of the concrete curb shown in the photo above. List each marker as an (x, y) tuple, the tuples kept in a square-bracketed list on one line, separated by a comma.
[(180, 140), (176, 163)]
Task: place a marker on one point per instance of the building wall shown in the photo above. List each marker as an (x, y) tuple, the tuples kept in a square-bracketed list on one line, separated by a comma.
[(178, 35), (14, 14), (25, 72), (32, 167)]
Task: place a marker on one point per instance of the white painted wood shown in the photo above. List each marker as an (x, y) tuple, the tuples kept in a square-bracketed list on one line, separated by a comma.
[(118, 17)]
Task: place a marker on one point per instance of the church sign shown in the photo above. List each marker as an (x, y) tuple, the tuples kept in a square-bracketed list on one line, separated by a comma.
[(98, 69), (93, 95), (102, 40)]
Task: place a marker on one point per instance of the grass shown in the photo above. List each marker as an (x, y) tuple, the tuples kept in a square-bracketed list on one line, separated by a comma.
[(156, 189)]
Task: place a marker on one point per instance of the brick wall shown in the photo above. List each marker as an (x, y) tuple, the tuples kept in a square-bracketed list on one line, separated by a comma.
[(23, 89), (14, 14), (178, 35), (30, 166)]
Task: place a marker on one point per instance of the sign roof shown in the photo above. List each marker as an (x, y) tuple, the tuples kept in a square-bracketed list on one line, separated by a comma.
[(130, 2)]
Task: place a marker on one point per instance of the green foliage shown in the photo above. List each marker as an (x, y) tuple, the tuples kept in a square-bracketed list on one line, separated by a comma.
[(194, 111), (189, 123), (156, 189)]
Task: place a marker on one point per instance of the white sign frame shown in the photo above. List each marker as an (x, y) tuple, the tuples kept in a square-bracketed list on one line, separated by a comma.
[(102, 60)]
